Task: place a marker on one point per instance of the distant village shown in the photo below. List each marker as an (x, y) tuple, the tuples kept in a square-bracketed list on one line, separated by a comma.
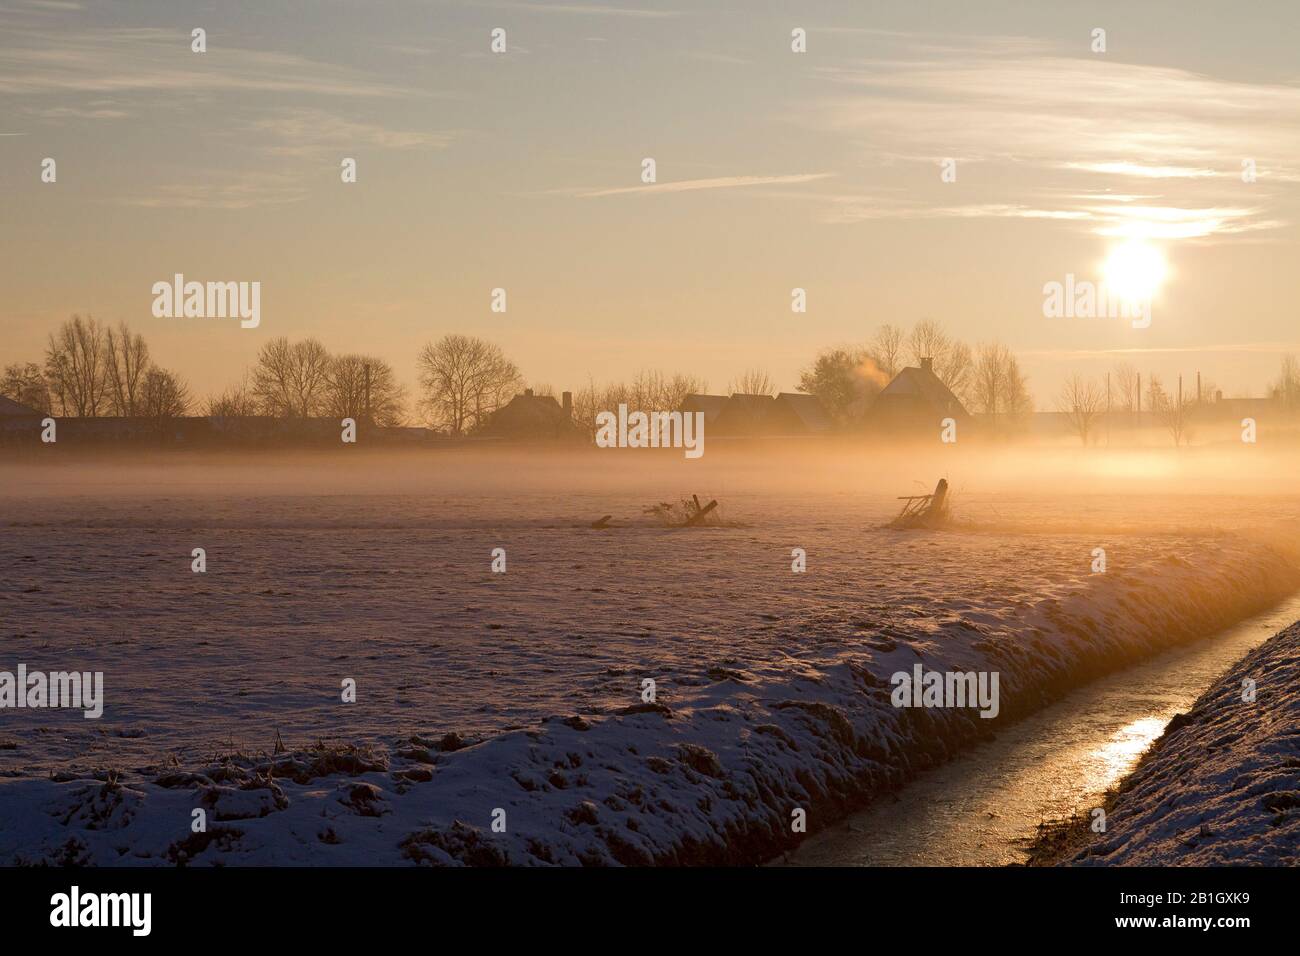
[(99, 388)]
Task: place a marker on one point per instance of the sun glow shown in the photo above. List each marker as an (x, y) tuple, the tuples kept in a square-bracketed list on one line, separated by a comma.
[(1134, 271)]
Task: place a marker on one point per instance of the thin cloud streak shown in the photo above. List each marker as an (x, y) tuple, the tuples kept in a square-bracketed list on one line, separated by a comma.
[(314, 133), (582, 9), (159, 61), (1150, 172), (691, 185)]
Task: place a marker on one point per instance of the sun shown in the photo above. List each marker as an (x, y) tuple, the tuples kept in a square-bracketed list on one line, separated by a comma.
[(1134, 271)]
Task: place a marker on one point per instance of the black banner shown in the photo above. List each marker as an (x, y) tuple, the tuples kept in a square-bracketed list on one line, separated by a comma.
[(369, 905)]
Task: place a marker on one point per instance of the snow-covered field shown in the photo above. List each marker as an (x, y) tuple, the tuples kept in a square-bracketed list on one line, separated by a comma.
[(522, 691), (1222, 786)]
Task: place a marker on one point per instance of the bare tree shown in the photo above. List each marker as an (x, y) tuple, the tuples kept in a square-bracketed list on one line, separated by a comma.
[(753, 381), (1127, 382), (463, 380), (1083, 402), (655, 391), (649, 390), (1172, 412), (1287, 388), (238, 401), (292, 380), (25, 384), (887, 349), (163, 396), (587, 405), (1174, 416), (952, 359), (74, 367), (126, 360), (998, 387), (1157, 397), (364, 389)]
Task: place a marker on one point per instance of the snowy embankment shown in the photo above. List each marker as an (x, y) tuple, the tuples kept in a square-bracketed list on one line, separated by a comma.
[(1222, 785), (714, 778)]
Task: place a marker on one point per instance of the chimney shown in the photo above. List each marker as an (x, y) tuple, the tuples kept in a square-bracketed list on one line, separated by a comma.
[(927, 364), (566, 401)]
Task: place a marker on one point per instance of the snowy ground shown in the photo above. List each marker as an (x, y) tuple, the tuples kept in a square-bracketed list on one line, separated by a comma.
[(1222, 786), (522, 691)]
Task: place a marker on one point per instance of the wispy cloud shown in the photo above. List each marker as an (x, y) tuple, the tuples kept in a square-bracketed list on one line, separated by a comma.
[(690, 185), (1117, 220), (220, 189), (1138, 169), (98, 110), (1176, 222), (585, 9), (1064, 124), (314, 132), (158, 61)]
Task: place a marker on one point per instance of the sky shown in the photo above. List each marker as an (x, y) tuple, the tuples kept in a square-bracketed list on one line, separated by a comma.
[(775, 170)]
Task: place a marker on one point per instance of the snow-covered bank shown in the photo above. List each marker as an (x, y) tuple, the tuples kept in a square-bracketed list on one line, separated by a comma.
[(1222, 785), (712, 773)]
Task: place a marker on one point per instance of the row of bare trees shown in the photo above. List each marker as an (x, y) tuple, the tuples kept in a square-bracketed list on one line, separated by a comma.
[(92, 370), (1084, 402), (648, 389), (303, 380)]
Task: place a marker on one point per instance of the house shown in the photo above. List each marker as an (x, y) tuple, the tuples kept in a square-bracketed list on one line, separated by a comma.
[(267, 430), (787, 415), (122, 430), (12, 412), (403, 434), (530, 416), (744, 416), (916, 399), (17, 421), (710, 405), (801, 414), (1235, 409)]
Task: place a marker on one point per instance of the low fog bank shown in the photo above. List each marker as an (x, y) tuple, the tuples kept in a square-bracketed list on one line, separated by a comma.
[(782, 469)]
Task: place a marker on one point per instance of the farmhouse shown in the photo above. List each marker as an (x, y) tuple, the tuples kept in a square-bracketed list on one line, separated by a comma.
[(17, 421), (916, 401), (533, 416), (745, 416), (710, 405), (799, 414)]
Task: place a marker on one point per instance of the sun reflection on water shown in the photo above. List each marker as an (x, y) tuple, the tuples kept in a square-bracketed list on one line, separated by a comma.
[(1116, 756)]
